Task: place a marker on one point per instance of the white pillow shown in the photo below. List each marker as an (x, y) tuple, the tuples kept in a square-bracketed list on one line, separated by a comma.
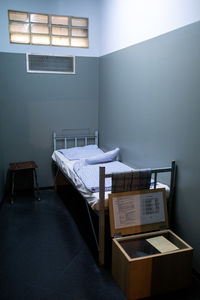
[(102, 158)]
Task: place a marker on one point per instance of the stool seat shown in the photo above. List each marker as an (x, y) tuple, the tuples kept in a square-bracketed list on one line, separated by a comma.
[(19, 166), (23, 165)]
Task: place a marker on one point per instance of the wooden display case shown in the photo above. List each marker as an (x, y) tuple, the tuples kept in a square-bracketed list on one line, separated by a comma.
[(153, 261)]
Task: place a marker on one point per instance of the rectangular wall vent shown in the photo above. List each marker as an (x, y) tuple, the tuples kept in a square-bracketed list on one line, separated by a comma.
[(37, 63)]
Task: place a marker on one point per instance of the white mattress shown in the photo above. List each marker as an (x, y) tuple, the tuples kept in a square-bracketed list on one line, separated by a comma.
[(66, 166)]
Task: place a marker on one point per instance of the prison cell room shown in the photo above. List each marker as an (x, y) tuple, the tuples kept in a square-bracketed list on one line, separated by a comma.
[(99, 168)]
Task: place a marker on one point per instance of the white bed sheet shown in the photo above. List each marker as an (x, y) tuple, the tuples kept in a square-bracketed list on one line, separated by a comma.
[(66, 166)]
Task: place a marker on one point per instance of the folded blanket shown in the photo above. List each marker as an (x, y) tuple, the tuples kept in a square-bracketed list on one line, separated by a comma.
[(103, 158), (135, 180), (75, 153), (89, 174)]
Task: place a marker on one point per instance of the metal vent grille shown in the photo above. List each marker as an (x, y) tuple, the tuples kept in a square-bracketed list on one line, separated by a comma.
[(50, 64)]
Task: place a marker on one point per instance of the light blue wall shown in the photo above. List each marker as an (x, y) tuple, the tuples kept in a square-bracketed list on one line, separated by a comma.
[(150, 107), (77, 8), (34, 105), (128, 22)]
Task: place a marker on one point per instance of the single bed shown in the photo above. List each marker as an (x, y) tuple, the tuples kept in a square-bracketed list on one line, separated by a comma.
[(97, 197)]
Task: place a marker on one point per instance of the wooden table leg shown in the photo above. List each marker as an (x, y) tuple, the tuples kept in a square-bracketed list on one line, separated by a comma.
[(36, 182), (12, 187)]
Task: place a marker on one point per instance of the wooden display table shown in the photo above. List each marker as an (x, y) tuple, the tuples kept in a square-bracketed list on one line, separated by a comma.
[(155, 261), (20, 166)]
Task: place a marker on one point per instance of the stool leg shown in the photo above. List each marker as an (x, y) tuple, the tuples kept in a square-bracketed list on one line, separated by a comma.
[(12, 188), (36, 182)]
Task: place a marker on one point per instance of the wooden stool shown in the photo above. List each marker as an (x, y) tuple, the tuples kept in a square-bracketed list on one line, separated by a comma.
[(19, 166)]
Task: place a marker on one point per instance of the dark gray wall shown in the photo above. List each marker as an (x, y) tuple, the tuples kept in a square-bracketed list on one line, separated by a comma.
[(150, 108), (1, 171), (34, 105), (1, 151)]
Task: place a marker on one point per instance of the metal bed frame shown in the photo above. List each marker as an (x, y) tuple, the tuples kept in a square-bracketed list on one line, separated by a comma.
[(100, 241)]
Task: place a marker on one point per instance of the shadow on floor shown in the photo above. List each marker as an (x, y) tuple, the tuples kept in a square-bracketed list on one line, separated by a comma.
[(46, 253), (43, 256)]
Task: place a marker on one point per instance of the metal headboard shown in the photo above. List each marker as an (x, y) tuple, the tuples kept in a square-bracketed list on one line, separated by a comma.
[(74, 140)]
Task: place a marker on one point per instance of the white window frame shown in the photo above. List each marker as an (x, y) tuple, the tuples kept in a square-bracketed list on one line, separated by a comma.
[(49, 72), (74, 41)]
